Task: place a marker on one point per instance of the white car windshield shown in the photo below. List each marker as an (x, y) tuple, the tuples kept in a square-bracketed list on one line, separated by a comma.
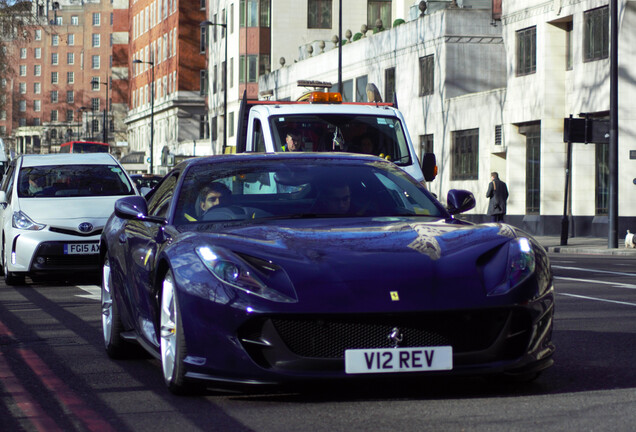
[(73, 181)]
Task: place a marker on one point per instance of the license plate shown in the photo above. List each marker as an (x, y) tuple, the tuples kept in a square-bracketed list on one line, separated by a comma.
[(364, 361), (81, 248)]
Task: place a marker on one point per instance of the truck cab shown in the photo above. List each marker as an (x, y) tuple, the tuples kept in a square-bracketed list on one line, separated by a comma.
[(323, 123)]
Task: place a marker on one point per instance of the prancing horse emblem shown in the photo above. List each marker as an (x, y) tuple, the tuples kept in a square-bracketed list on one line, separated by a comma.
[(395, 337)]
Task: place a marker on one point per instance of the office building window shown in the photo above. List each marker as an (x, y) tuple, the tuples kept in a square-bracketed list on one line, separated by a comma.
[(38, 34), (54, 60), (37, 70), (70, 58), (465, 155), (69, 115), (596, 34), (96, 18), (22, 88), (70, 96), (37, 53), (389, 84), (533, 170), (70, 38), (54, 96), (427, 75), (74, 20), (22, 106), (70, 77), (37, 105), (526, 51), (569, 48), (23, 53), (379, 10), (96, 40), (426, 145), (37, 88), (203, 82), (54, 78), (22, 70), (95, 104), (95, 62), (602, 179), (361, 88), (55, 40), (319, 14), (53, 119)]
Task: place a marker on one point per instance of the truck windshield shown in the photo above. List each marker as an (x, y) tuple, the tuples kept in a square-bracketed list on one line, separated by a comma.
[(380, 136)]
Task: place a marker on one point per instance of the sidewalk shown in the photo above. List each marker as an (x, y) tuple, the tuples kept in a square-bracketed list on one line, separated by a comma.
[(584, 246)]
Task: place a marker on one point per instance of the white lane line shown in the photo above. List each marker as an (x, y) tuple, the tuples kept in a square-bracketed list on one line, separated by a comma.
[(94, 292), (593, 271), (598, 299), (591, 281)]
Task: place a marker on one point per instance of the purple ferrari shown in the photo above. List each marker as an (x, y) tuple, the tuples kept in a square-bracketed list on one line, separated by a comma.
[(276, 268)]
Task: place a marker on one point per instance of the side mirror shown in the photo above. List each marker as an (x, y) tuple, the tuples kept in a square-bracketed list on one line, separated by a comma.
[(135, 208), (429, 166), (459, 201)]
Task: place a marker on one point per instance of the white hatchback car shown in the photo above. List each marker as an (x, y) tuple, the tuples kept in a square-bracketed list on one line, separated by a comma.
[(53, 209)]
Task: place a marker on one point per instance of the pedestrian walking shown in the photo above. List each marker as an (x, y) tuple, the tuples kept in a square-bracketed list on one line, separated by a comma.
[(498, 194)]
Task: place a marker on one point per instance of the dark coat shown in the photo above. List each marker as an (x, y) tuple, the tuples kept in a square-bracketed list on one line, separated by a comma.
[(498, 194)]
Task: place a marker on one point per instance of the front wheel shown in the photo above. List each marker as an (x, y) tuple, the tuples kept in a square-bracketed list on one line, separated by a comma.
[(111, 320), (173, 347)]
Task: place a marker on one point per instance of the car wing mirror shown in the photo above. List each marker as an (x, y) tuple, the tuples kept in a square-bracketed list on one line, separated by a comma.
[(135, 208), (459, 201)]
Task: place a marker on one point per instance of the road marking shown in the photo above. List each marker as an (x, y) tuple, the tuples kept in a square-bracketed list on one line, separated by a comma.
[(593, 271), (598, 299), (94, 292), (591, 281)]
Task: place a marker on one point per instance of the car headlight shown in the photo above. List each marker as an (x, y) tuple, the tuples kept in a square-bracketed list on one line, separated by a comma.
[(233, 271), (22, 221), (521, 265)]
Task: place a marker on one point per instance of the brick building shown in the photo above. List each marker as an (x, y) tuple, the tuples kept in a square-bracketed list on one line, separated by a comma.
[(167, 82), (62, 74)]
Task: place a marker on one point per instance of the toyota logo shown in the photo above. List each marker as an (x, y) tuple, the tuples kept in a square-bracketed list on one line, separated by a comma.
[(85, 227)]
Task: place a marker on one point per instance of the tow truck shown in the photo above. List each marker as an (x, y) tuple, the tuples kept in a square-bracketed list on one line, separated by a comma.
[(322, 122)]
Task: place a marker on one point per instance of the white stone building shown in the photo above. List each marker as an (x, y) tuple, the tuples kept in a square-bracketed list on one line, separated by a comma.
[(491, 95)]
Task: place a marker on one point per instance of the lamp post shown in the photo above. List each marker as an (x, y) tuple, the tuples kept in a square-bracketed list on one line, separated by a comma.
[(224, 26), (152, 108), (104, 125), (80, 123)]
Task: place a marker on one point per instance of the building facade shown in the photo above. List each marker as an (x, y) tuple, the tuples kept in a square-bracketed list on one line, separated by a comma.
[(489, 92), (60, 89), (167, 119)]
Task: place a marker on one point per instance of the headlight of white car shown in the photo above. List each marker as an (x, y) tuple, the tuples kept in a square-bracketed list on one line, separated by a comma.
[(233, 271), (22, 221)]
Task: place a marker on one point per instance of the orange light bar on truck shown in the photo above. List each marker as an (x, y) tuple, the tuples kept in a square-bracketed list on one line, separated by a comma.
[(322, 97)]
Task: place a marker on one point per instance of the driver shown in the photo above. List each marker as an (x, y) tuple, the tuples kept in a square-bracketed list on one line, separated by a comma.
[(210, 196), (335, 198)]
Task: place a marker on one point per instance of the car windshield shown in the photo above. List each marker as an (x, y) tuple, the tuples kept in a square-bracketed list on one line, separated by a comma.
[(73, 181), (300, 188), (380, 136)]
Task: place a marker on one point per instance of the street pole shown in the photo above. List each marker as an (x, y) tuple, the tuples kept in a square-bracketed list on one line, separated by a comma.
[(340, 47), (224, 26), (152, 109), (613, 144)]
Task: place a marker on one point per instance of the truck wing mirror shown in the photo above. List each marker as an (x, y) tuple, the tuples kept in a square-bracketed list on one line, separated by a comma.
[(429, 166)]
